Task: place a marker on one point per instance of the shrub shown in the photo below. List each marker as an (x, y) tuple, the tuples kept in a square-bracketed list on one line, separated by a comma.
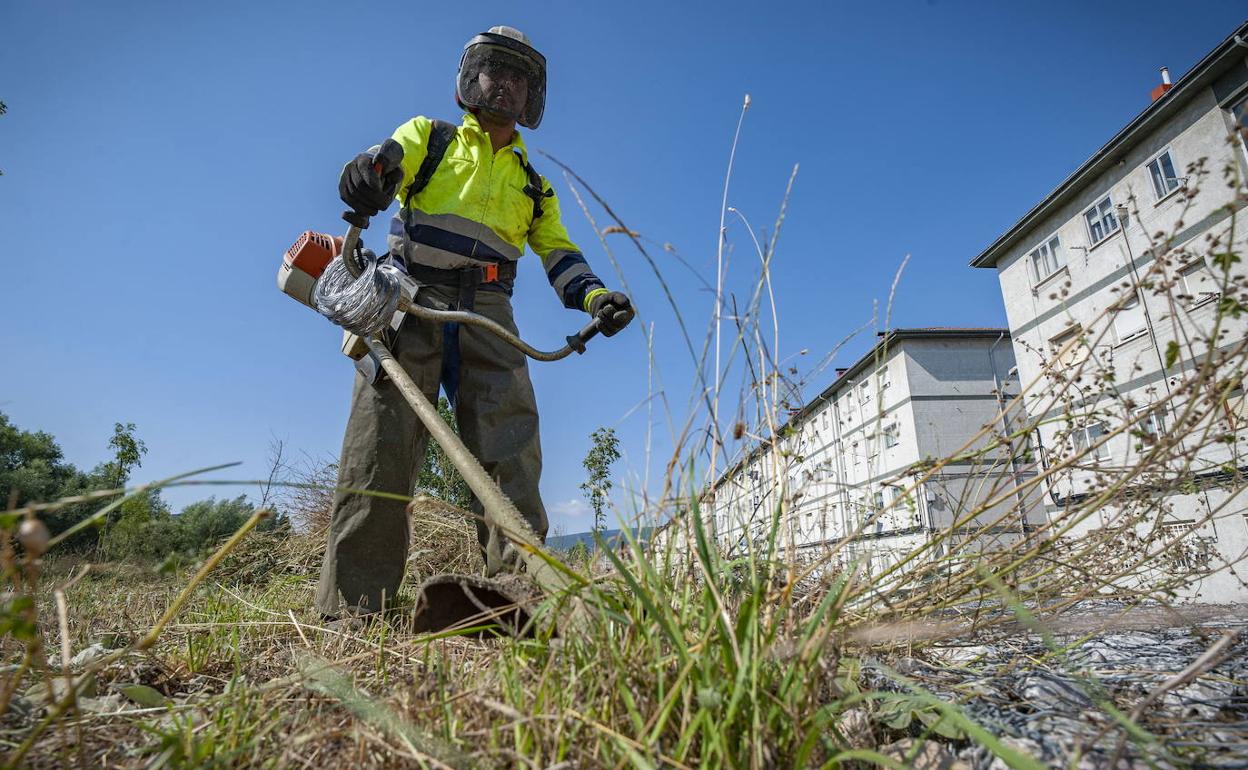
[(143, 529)]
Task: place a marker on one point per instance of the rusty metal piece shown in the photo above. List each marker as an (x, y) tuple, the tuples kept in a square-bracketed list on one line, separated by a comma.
[(449, 602)]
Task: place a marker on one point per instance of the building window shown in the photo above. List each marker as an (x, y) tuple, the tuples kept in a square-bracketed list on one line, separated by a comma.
[(864, 392), (1048, 258), (1185, 551), (891, 436), (1149, 422), (1087, 437), (1199, 284), (1240, 113), (1129, 321), (1101, 221), (901, 501), (1161, 171), (1068, 357), (885, 379)]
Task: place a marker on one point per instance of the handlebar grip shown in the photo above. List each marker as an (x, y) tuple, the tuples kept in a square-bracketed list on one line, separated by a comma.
[(355, 218), (577, 341)]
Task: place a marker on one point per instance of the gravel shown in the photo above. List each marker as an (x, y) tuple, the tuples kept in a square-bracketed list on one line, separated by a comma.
[(1056, 702)]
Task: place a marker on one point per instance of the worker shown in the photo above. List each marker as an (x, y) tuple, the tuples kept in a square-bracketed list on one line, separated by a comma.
[(470, 200)]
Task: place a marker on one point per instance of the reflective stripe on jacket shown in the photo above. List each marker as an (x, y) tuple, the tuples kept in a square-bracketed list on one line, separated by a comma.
[(474, 211)]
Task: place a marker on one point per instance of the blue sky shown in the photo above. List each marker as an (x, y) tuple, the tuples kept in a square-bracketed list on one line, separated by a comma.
[(158, 159)]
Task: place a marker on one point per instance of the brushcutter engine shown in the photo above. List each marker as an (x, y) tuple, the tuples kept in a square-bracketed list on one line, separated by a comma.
[(304, 263)]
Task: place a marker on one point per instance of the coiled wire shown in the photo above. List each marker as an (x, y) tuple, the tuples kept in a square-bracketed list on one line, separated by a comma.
[(363, 305)]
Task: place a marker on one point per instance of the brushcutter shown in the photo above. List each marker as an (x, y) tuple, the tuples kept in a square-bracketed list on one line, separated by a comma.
[(340, 279)]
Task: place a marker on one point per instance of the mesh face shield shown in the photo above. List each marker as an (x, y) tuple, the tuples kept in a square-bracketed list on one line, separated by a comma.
[(503, 76)]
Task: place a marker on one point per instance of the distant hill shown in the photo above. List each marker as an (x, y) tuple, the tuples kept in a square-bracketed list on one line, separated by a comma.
[(612, 536)]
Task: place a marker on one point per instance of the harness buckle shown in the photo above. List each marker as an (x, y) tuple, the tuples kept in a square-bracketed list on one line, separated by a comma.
[(489, 273)]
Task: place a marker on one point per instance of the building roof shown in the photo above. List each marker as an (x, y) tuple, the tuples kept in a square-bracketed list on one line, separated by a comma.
[(886, 340), (1229, 53)]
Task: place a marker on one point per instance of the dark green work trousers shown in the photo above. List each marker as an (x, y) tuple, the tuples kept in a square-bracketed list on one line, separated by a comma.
[(384, 448)]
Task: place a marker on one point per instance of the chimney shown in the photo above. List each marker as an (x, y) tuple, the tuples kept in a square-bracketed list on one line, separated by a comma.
[(840, 371), (1165, 84)]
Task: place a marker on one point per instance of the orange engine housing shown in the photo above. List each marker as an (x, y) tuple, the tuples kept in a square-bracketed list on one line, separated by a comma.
[(312, 251)]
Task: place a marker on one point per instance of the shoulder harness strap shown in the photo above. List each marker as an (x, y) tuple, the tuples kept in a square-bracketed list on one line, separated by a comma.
[(441, 134), (534, 188)]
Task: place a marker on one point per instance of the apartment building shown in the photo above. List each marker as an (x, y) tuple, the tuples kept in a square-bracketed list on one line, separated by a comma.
[(1114, 273), (853, 463)]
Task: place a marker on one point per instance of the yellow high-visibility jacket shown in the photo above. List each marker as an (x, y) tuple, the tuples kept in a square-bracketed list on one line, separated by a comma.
[(474, 212)]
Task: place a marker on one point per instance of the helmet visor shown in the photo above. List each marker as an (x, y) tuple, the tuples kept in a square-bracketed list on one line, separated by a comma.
[(504, 81)]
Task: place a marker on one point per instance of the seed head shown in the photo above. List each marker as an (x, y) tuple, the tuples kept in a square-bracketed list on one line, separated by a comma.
[(33, 536)]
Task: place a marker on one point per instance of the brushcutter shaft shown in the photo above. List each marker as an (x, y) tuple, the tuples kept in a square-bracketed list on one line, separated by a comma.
[(499, 510)]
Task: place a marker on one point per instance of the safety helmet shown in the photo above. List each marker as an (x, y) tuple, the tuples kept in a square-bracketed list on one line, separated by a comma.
[(504, 52)]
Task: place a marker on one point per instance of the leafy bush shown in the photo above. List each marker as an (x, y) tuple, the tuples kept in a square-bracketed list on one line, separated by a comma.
[(146, 530), (208, 522)]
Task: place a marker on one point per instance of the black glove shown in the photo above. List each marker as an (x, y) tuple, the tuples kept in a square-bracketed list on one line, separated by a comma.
[(613, 310), (363, 189)]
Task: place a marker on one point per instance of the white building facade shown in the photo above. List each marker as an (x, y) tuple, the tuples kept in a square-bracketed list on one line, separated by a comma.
[(852, 468), (1115, 297)]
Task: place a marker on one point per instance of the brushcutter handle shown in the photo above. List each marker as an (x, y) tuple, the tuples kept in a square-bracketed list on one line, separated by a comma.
[(577, 341), (355, 219), (351, 256)]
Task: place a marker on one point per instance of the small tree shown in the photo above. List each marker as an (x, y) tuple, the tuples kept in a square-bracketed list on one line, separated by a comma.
[(604, 452), (128, 451)]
